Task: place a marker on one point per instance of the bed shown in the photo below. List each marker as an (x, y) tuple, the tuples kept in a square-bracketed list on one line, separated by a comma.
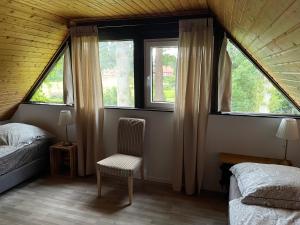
[(19, 159), (245, 214)]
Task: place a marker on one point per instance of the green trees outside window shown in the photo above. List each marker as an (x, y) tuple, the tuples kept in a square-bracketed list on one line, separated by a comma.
[(51, 89), (164, 64), (117, 71), (252, 92)]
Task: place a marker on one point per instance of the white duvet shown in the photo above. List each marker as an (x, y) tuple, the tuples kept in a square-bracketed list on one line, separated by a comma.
[(242, 214), (20, 134), (268, 185), (6, 150), (14, 136)]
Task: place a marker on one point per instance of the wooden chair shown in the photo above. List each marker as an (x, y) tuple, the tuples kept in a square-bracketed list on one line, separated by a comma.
[(129, 158)]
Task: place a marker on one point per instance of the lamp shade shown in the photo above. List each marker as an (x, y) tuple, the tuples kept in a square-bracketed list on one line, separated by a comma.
[(288, 129), (65, 117)]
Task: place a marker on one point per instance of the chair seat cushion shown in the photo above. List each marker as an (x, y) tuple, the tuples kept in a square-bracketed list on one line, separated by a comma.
[(120, 165)]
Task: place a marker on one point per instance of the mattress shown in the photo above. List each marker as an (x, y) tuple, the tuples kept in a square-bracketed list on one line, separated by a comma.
[(234, 191), (12, 159), (242, 214)]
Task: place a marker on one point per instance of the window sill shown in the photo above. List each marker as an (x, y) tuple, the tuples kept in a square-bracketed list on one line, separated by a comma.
[(106, 107), (263, 115), (48, 104), (139, 109)]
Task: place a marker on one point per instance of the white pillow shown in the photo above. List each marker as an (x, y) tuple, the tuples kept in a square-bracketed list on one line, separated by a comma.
[(19, 134), (268, 184)]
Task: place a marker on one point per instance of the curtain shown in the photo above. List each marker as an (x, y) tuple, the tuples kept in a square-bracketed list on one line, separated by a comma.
[(224, 79), (68, 80), (192, 104), (89, 110)]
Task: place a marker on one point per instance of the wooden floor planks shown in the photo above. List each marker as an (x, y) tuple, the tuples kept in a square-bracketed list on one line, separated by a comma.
[(58, 201)]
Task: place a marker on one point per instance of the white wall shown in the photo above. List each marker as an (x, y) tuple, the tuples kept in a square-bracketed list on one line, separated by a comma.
[(158, 137), (235, 134), (243, 135)]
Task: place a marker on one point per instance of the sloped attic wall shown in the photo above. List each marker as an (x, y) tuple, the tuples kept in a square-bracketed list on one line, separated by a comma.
[(270, 31), (32, 31), (29, 37)]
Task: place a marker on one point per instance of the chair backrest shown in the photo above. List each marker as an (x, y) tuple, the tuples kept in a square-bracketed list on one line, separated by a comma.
[(131, 133)]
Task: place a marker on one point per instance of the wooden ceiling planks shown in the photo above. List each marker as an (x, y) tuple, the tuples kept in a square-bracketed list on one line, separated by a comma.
[(32, 31), (106, 9), (270, 31), (29, 37)]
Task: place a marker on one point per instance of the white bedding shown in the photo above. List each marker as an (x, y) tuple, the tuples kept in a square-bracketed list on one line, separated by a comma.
[(6, 150), (268, 185), (242, 214), (19, 134)]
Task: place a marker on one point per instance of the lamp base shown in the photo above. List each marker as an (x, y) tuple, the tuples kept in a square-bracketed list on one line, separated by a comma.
[(285, 162), (66, 143)]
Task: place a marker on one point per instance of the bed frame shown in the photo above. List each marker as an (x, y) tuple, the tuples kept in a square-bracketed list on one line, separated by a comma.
[(23, 173)]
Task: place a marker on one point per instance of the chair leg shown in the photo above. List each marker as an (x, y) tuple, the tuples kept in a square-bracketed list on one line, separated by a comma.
[(130, 188), (99, 182)]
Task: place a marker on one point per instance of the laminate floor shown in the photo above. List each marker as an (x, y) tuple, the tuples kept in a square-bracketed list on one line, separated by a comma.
[(63, 201)]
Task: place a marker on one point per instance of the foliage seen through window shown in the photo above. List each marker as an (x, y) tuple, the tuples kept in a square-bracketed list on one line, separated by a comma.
[(117, 71), (252, 92), (51, 89)]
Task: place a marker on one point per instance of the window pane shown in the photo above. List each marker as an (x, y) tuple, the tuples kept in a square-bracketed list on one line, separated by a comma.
[(117, 70), (51, 89), (252, 92), (164, 61)]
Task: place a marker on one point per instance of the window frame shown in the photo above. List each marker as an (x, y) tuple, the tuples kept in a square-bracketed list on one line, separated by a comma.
[(219, 33), (44, 74), (138, 33), (148, 78), (152, 29), (44, 78)]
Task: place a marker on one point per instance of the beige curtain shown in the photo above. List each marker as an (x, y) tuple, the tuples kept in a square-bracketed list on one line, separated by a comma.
[(224, 79), (88, 97), (192, 103), (68, 79)]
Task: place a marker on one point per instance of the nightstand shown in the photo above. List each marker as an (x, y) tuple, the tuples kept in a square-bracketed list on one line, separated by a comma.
[(63, 159), (228, 160)]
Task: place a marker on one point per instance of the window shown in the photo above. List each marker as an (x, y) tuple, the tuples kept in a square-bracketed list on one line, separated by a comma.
[(117, 71), (51, 88), (160, 72), (252, 92), (122, 63)]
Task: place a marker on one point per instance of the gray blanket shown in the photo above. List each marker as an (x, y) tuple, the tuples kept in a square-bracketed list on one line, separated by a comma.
[(12, 157)]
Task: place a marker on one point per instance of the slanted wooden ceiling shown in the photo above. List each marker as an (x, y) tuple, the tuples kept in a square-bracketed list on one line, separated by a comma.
[(32, 31), (270, 31)]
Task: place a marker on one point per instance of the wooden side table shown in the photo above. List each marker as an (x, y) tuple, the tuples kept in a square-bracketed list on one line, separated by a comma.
[(61, 157), (229, 159)]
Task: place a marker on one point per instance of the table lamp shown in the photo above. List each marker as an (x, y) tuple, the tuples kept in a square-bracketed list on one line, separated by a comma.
[(287, 130), (65, 119)]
